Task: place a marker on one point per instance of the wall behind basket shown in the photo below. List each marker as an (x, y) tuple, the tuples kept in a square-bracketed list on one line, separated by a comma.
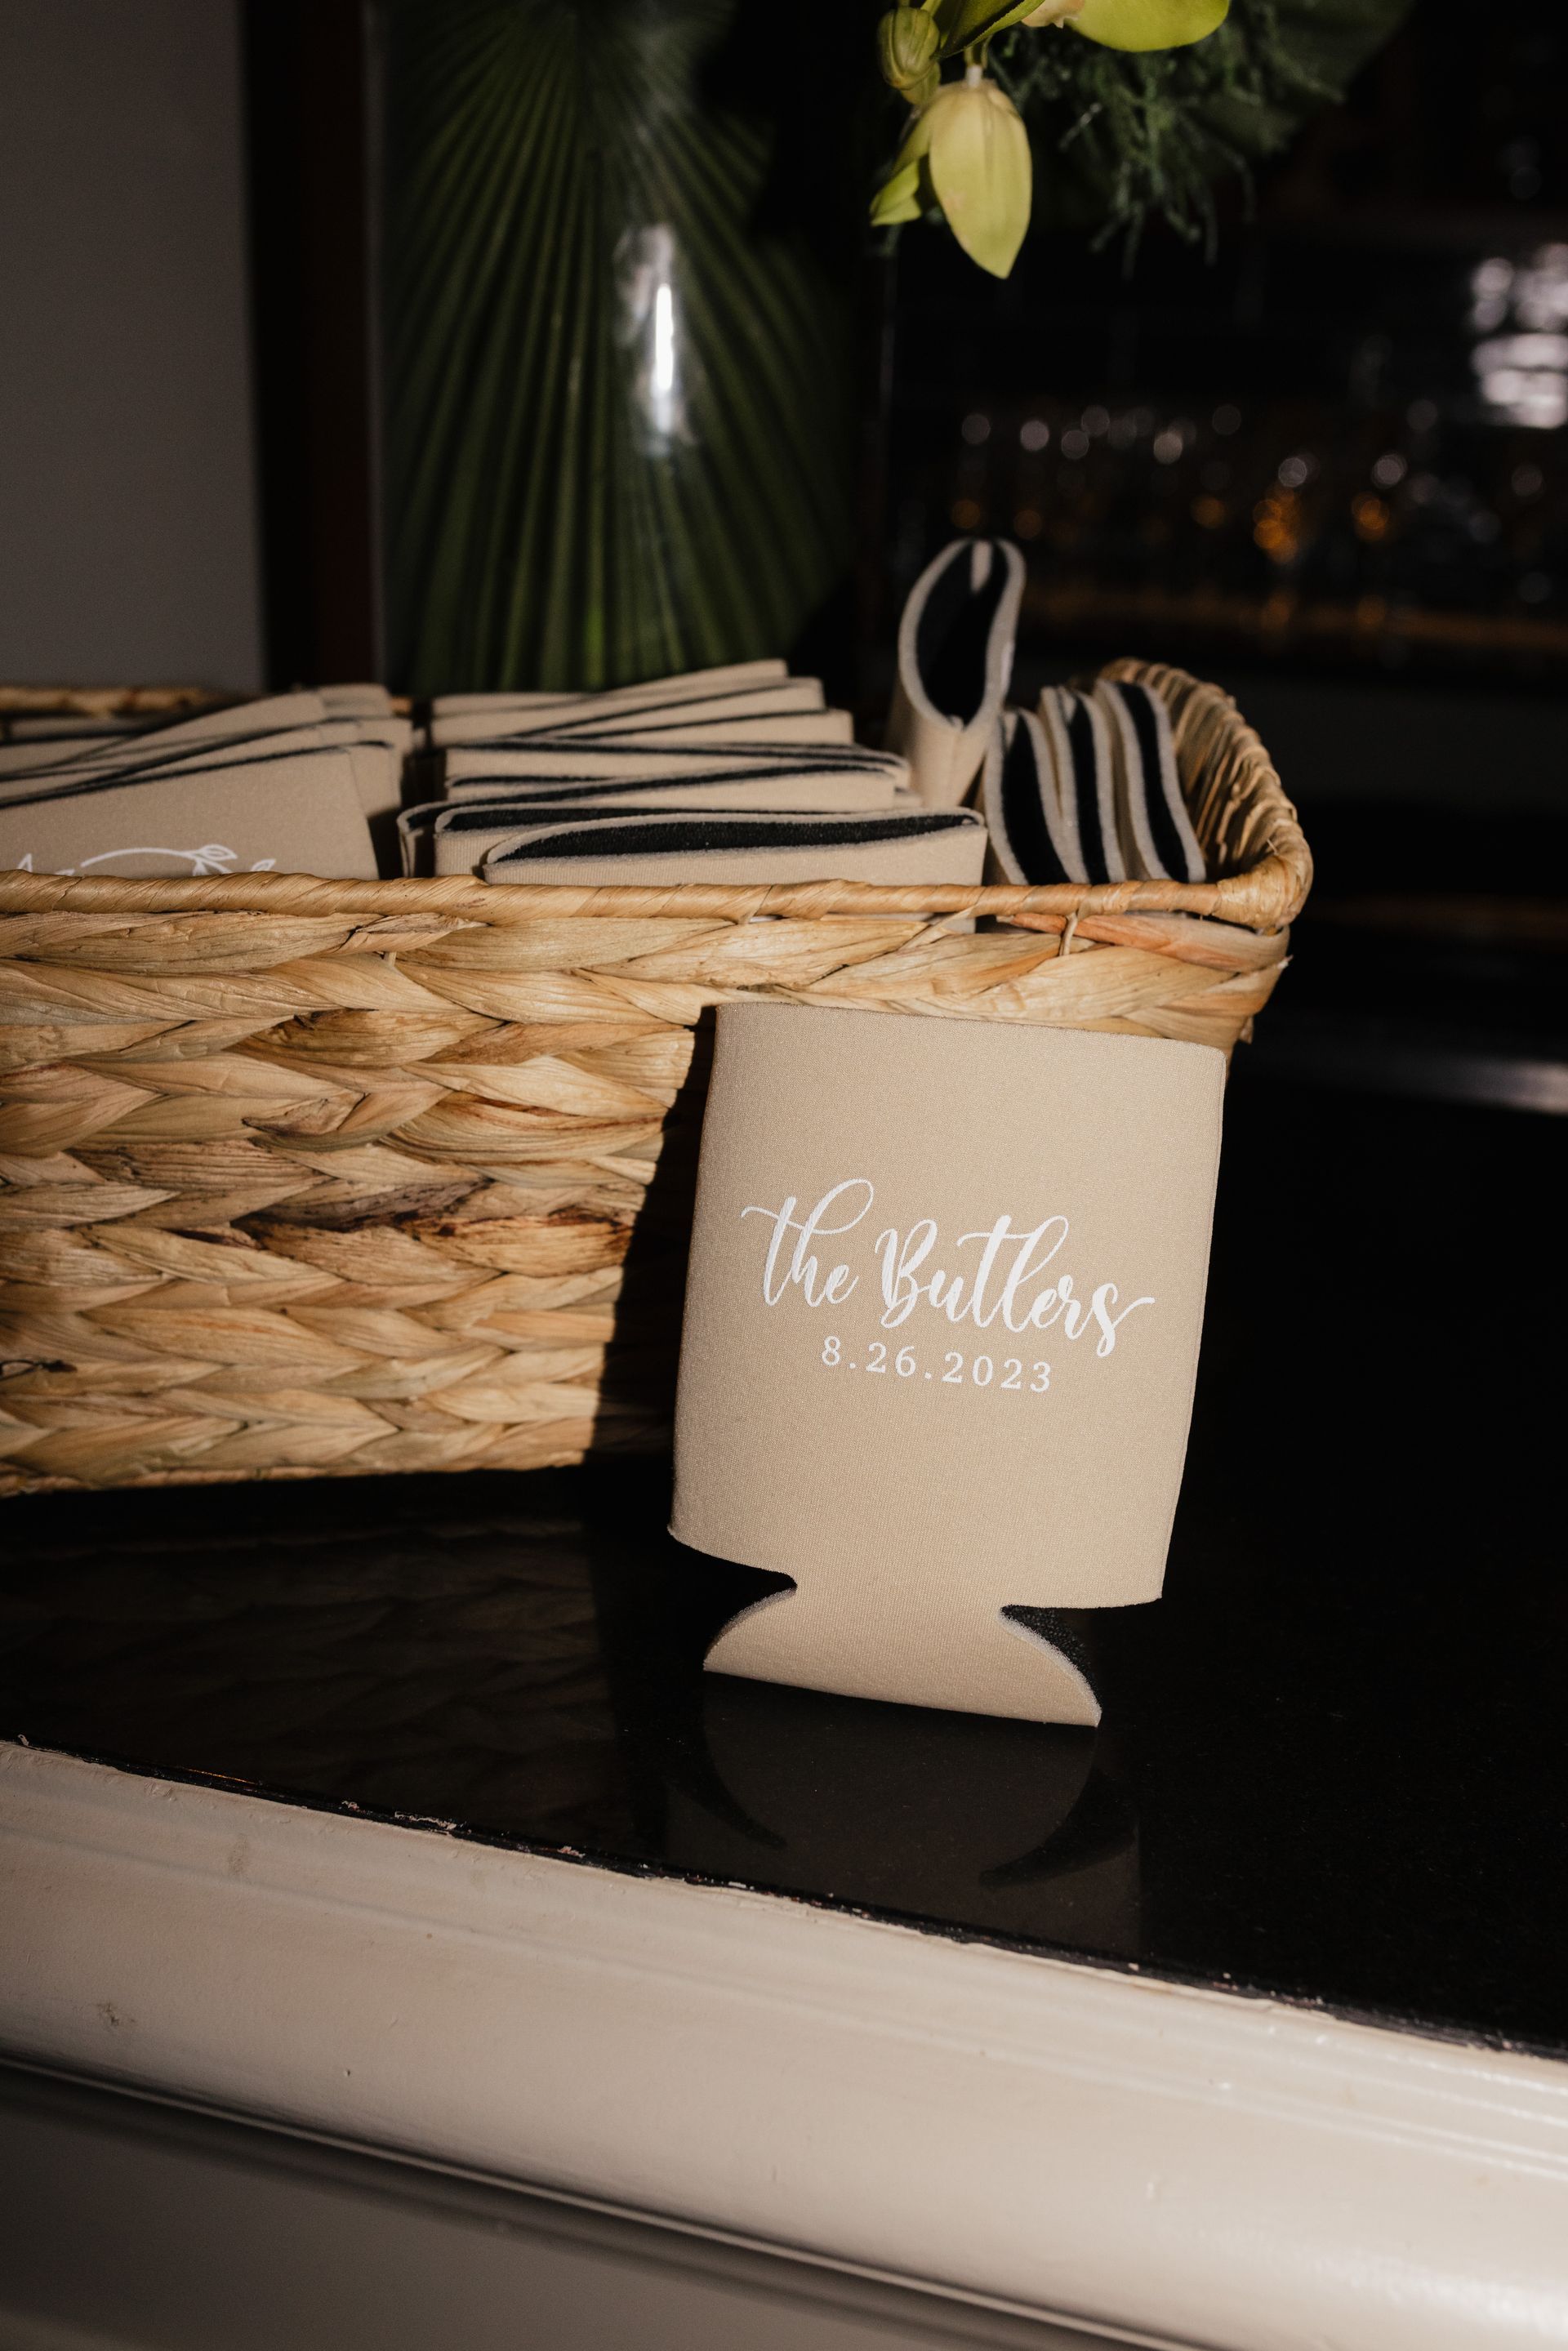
[(127, 478)]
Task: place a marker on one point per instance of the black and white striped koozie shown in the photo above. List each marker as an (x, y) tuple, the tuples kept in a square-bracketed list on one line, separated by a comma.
[(1084, 758), (1033, 830), (1091, 792), (1157, 840)]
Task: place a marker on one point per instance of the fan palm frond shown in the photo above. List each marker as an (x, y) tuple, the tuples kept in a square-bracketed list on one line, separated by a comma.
[(617, 411)]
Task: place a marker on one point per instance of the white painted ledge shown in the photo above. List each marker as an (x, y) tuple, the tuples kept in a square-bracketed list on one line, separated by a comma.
[(1196, 2167)]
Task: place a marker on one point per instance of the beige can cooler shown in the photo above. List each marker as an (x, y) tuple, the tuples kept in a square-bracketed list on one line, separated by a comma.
[(942, 1326)]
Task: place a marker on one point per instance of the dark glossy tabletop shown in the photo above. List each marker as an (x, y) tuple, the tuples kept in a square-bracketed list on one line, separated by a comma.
[(1332, 1762)]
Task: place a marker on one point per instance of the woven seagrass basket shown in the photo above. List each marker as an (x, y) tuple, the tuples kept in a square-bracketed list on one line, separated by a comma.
[(314, 1178)]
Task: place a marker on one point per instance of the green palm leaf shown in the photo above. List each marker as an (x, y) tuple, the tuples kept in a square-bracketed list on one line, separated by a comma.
[(617, 412)]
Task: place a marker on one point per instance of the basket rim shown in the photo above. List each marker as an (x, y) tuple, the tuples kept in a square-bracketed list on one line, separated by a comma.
[(1266, 896)]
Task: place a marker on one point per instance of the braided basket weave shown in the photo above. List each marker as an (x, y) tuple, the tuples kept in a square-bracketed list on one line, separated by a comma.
[(304, 1178)]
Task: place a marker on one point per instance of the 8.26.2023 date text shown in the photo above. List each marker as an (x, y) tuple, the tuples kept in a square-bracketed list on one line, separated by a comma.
[(980, 1371)]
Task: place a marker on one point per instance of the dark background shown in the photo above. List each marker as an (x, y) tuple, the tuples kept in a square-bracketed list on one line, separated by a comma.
[(1331, 455), (1333, 445), (1333, 448)]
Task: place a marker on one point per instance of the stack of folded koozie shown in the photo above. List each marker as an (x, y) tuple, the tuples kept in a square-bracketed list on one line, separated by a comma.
[(1084, 788), (299, 783), (734, 774)]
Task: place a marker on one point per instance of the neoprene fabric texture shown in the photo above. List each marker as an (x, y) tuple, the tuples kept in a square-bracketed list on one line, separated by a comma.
[(1091, 792), (1033, 837), (602, 714), (1088, 790), (1078, 734), (924, 845), (375, 747), (297, 812), (1157, 840), (731, 677), (942, 1322), (674, 729), (356, 701), (234, 723), (955, 658), (640, 759), (455, 836)]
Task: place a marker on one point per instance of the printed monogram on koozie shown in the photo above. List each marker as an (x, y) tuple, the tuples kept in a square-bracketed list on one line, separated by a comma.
[(1007, 1281)]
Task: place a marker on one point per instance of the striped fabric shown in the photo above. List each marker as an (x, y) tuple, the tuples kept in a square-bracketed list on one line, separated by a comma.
[(1089, 792)]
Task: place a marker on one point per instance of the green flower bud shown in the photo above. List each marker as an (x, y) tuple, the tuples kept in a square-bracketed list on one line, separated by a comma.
[(969, 153), (979, 159), (907, 41)]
